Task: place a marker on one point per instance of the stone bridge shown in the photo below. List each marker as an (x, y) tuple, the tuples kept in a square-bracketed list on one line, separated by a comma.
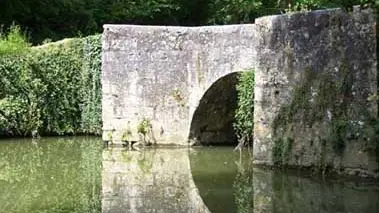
[(162, 73), (182, 80)]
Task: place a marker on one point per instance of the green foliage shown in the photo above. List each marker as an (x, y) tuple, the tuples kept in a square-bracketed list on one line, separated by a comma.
[(90, 85), (70, 18), (243, 118), (54, 89), (306, 5), (13, 41), (230, 11), (143, 126)]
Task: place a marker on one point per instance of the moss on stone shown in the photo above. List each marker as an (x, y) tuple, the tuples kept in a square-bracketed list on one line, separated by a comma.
[(322, 164), (371, 134), (337, 135), (323, 96), (299, 102), (282, 150)]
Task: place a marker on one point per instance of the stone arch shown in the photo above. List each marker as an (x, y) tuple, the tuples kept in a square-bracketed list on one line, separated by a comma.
[(211, 122)]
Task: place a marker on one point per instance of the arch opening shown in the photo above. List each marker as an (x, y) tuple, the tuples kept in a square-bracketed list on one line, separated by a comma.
[(212, 121)]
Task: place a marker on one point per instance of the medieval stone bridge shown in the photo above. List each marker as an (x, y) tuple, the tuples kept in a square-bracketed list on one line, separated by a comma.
[(182, 79), (161, 73)]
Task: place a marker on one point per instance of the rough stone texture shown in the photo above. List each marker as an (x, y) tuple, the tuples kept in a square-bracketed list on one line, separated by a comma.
[(149, 181), (161, 73), (315, 73)]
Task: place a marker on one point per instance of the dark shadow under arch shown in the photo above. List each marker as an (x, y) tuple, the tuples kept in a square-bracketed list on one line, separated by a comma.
[(212, 122)]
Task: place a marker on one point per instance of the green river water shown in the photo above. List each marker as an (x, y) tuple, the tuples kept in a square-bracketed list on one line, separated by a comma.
[(59, 175)]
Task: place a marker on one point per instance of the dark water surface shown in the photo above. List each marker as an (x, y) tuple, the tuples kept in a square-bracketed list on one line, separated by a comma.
[(226, 184), (59, 175)]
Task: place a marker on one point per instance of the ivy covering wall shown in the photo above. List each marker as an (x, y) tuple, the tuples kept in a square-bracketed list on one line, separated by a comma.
[(244, 114), (53, 89)]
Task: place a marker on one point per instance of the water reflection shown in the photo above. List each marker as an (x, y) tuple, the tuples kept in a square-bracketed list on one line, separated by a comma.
[(214, 171), (150, 180), (50, 175), (64, 175), (243, 184), (227, 183), (293, 193)]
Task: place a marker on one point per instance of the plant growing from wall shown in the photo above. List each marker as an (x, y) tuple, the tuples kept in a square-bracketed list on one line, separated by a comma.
[(109, 136), (178, 97), (243, 118), (143, 126), (144, 129)]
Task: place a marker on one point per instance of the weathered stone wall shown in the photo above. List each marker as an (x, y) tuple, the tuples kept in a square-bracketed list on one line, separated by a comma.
[(145, 76), (161, 73), (315, 74)]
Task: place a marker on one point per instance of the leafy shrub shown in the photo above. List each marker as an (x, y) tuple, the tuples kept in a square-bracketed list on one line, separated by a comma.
[(13, 42), (143, 126), (54, 88)]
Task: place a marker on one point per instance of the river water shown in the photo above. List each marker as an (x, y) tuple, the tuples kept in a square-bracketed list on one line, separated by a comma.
[(77, 174)]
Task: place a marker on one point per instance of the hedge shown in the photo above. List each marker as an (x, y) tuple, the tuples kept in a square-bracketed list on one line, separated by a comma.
[(53, 89)]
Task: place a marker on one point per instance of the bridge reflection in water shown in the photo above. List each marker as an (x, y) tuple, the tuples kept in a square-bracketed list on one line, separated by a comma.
[(152, 180), (163, 180)]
